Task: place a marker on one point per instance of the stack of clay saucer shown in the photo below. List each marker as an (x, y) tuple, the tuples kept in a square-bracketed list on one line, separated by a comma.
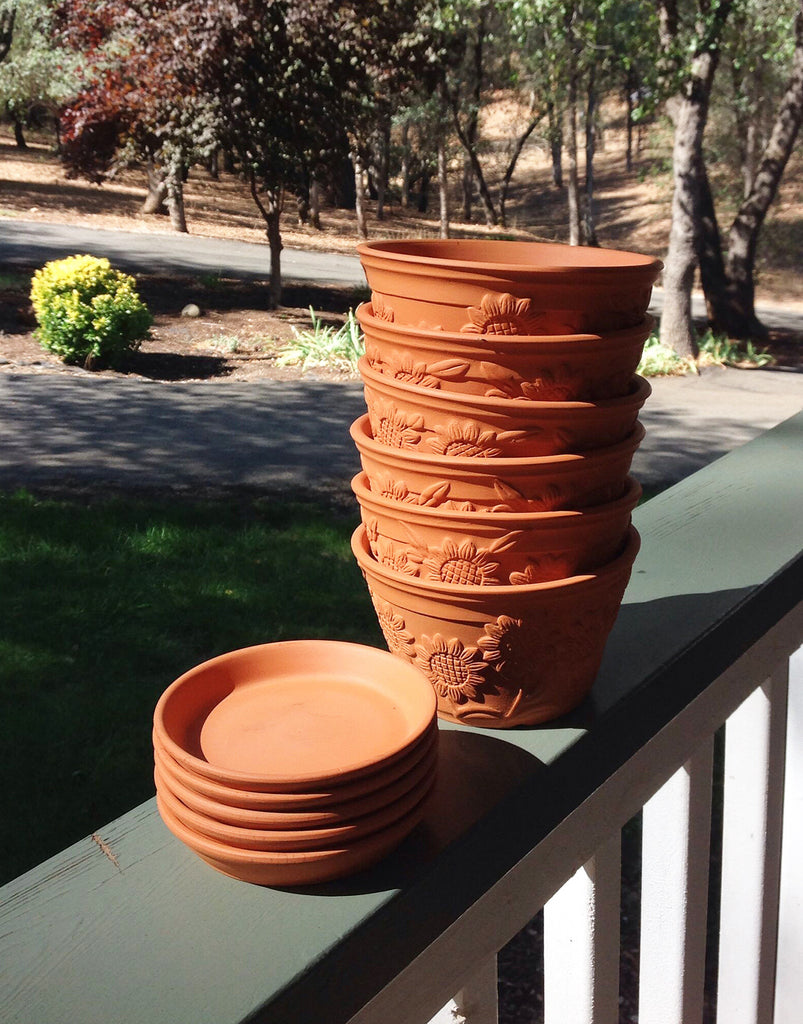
[(502, 418), (297, 762)]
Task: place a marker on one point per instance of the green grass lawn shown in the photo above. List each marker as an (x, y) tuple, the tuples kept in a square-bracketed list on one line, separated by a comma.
[(105, 602)]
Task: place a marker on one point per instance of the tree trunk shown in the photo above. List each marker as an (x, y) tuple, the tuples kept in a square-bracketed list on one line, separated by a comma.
[(405, 164), (571, 150), (382, 165), (315, 204), (467, 181), (491, 218), (271, 210), (423, 194), (359, 193), (685, 237), (589, 227), (443, 187), (630, 89), (7, 18), (156, 200), (555, 144), (19, 135), (175, 198), (511, 167), (731, 300)]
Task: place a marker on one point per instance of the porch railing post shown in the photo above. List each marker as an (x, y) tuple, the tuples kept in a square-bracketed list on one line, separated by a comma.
[(676, 827), (789, 977), (755, 740), (581, 942)]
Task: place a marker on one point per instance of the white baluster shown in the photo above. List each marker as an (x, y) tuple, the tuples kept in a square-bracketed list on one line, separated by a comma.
[(789, 976), (581, 943), (674, 894), (755, 739)]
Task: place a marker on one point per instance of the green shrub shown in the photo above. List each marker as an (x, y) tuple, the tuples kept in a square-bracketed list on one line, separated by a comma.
[(88, 312)]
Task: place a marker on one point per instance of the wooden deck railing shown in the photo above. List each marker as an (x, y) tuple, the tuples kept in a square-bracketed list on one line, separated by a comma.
[(137, 929)]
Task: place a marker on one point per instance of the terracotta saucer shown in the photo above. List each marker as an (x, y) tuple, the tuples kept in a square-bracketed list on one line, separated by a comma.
[(306, 867), (294, 716), (291, 839), (326, 817), (323, 799)]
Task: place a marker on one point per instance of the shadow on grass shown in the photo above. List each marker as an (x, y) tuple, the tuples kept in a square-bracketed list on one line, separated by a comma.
[(105, 602)]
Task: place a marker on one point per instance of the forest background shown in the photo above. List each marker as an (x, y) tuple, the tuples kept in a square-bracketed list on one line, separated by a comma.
[(666, 126)]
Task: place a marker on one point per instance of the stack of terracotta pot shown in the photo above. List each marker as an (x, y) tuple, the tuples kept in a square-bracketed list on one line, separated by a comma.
[(495, 495)]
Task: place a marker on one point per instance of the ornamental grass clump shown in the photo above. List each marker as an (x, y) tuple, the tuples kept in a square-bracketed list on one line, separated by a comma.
[(87, 311)]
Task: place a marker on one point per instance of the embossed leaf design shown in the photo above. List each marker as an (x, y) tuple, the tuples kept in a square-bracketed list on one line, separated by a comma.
[(434, 494), (450, 369)]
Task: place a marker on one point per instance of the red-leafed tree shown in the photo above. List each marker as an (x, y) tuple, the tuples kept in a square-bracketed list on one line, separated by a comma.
[(280, 84), (140, 100)]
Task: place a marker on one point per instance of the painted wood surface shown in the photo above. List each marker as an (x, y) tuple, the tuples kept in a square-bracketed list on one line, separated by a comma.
[(135, 928)]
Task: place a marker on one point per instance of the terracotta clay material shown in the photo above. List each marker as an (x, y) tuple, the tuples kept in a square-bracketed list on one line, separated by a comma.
[(483, 286), (291, 839), (500, 656), (291, 868), (493, 548), (585, 367), (357, 799), (293, 717), (445, 423), (569, 481)]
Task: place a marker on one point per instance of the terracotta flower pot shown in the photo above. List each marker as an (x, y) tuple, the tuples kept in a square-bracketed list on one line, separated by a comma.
[(408, 416), (500, 287), (500, 656), (492, 548), (570, 481), (580, 367)]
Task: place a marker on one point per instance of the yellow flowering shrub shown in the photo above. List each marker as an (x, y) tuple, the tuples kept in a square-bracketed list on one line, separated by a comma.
[(87, 311)]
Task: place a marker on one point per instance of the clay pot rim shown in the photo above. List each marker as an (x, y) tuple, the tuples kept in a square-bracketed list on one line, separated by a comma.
[(503, 406), (614, 339), (447, 517), (299, 781), (422, 253), (360, 434), (458, 591)]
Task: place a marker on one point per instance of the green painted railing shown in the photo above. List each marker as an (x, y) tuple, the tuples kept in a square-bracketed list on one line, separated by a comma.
[(131, 927)]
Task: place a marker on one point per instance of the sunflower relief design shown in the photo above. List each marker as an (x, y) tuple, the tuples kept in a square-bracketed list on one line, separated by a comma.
[(543, 570), (465, 437), (456, 672), (461, 563), (503, 313), (380, 308), (399, 640), (392, 427), (399, 559), (404, 368)]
